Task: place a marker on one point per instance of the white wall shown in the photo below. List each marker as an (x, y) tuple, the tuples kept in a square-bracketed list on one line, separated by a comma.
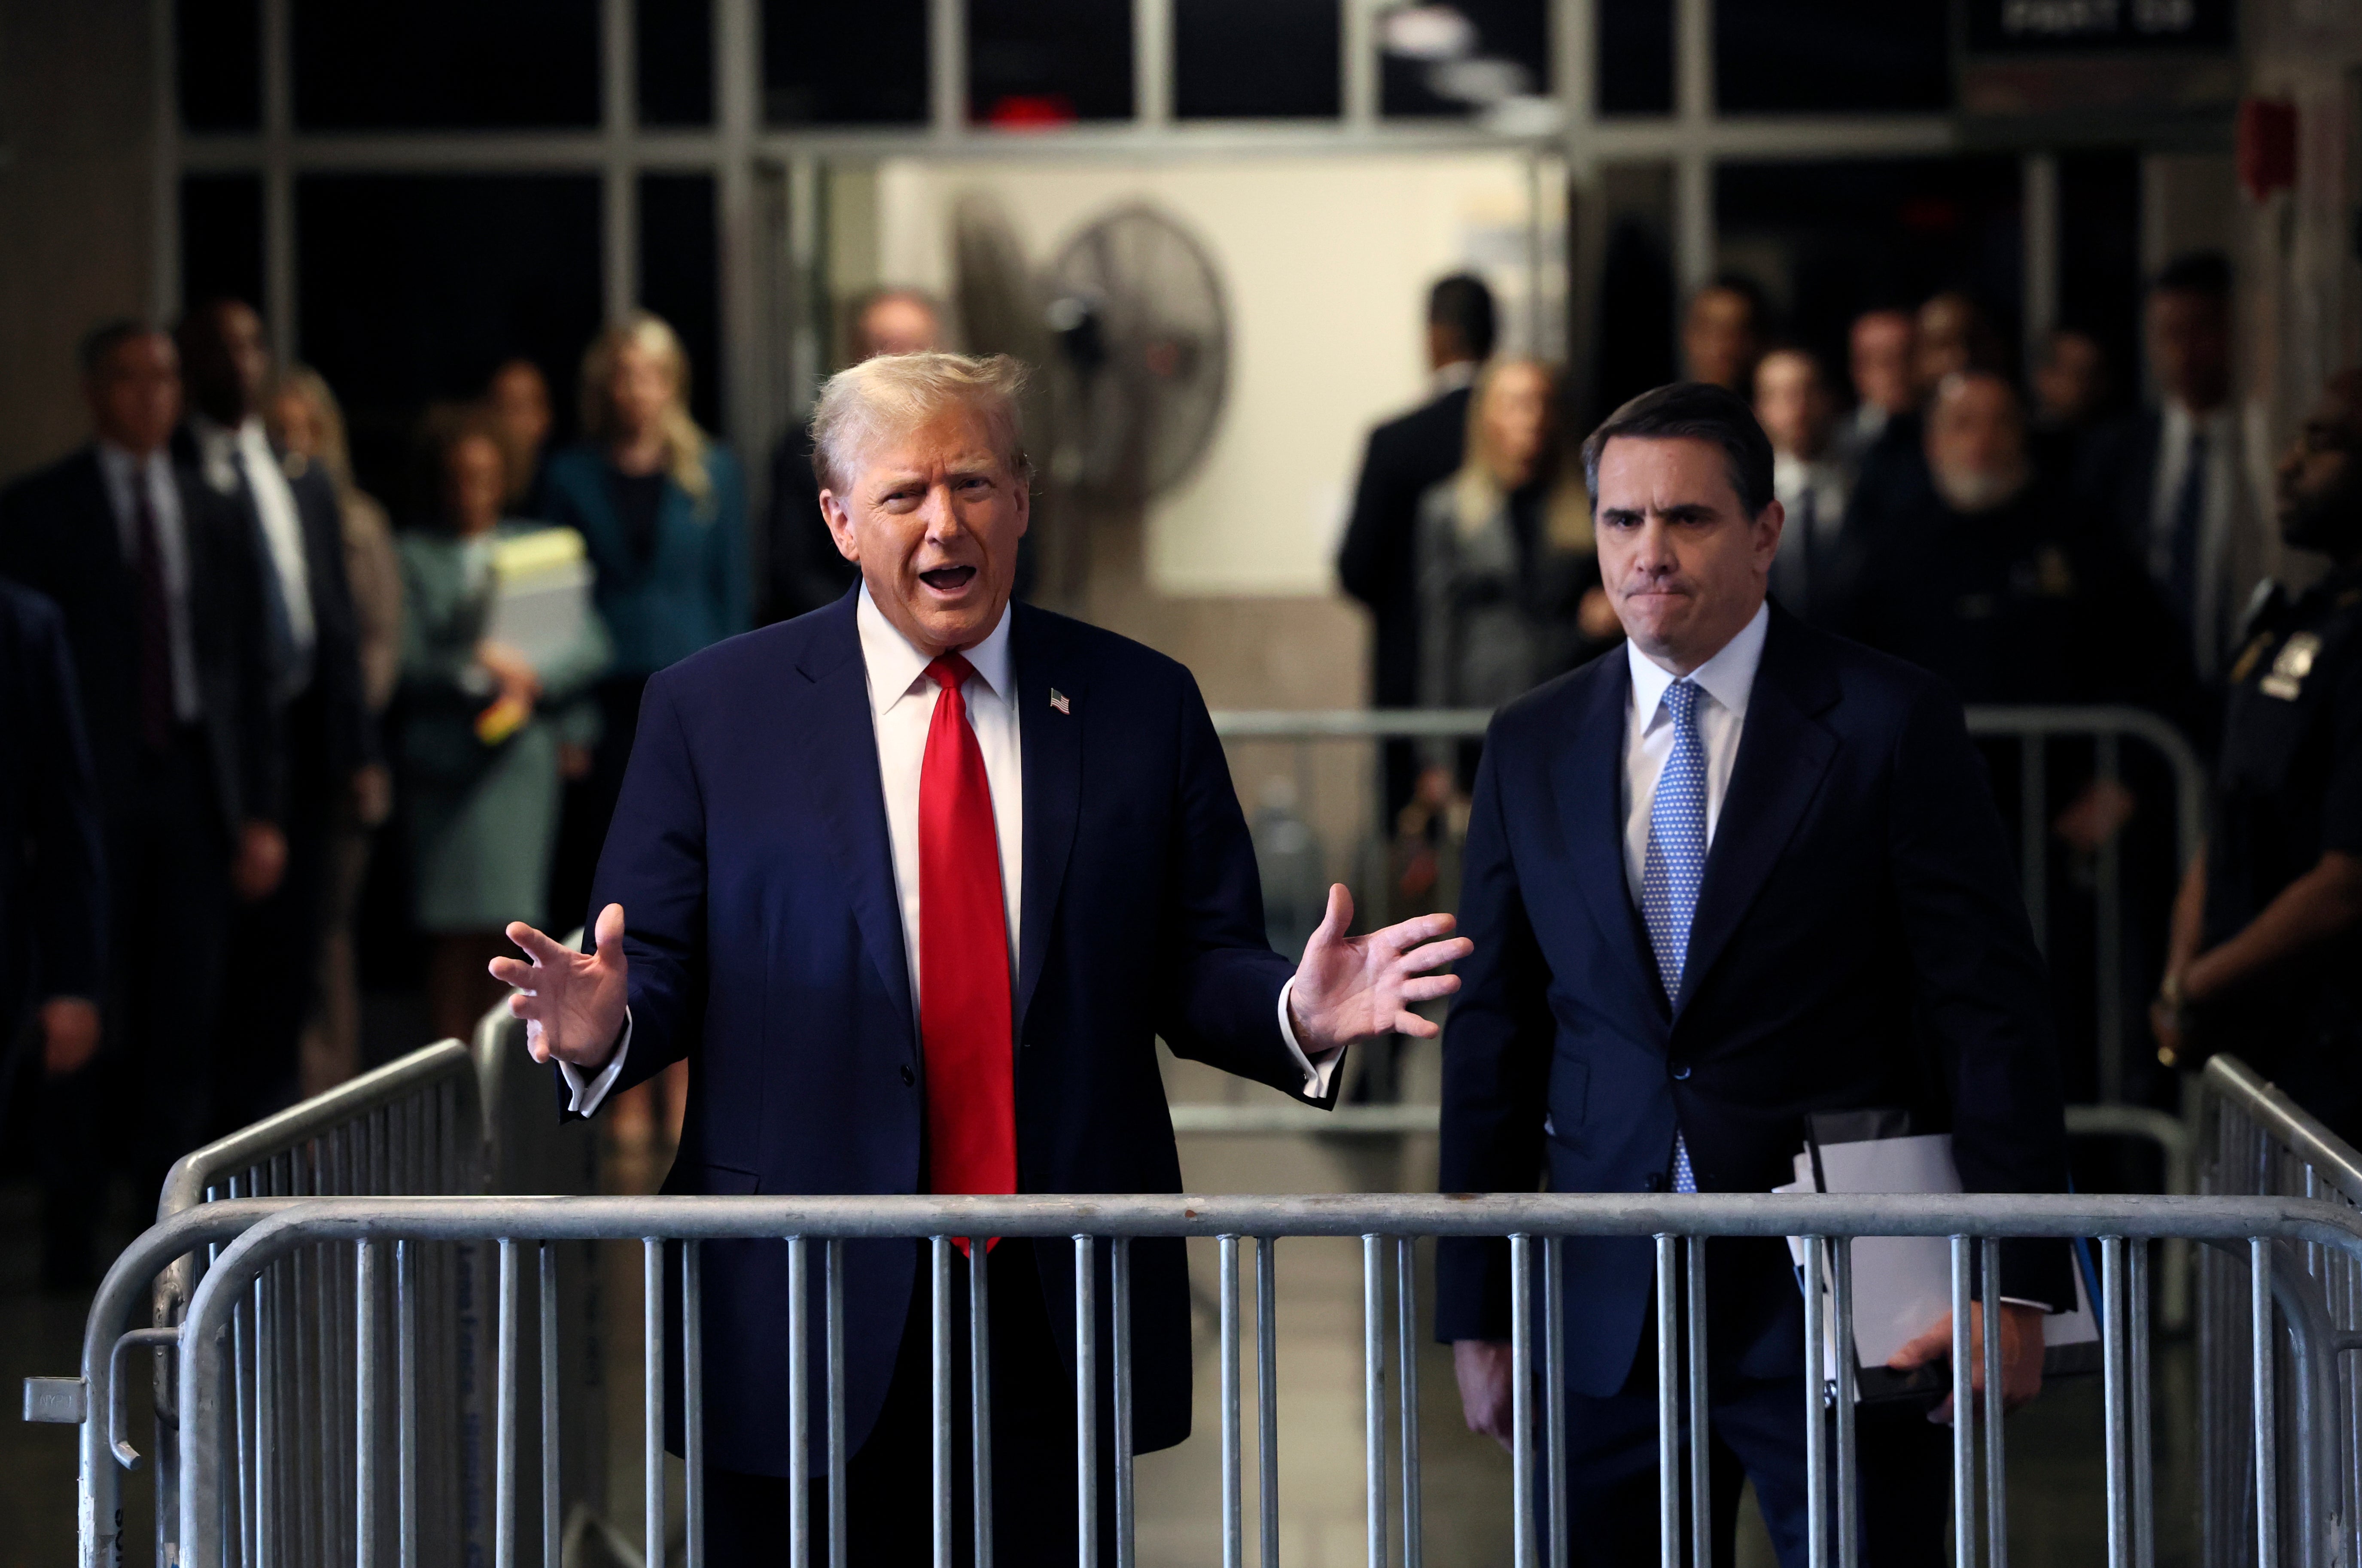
[(1326, 262)]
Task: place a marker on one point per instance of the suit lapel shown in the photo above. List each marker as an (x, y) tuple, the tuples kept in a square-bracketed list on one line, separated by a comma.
[(1588, 778), (1051, 739), (841, 738), (1784, 750)]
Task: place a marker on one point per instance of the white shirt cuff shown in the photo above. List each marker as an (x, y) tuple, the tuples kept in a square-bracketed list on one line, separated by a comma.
[(1315, 1074), (590, 1093)]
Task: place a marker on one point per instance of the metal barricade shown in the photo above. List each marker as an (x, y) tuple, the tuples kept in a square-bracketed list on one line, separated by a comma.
[(2299, 1513), (2256, 1142), (411, 1127)]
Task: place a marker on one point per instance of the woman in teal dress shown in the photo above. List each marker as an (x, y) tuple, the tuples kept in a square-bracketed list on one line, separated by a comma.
[(488, 724)]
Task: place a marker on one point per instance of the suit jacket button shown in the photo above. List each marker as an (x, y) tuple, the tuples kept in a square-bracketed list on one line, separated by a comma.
[(908, 1077), (1680, 1070)]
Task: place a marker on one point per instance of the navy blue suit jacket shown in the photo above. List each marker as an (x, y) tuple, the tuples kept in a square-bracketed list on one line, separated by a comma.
[(52, 878), (765, 936), (1859, 942)]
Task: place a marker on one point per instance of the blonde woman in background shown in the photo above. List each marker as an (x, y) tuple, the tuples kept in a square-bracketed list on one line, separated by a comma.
[(662, 507), (309, 426), (1508, 588)]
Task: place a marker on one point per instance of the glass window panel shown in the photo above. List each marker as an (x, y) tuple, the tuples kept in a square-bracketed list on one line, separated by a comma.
[(1455, 60), (1047, 62), (446, 65), (218, 68), (1257, 59), (861, 64), (673, 56), (1829, 239), (221, 238), (414, 286), (680, 264), (1831, 56), (1636, 57)]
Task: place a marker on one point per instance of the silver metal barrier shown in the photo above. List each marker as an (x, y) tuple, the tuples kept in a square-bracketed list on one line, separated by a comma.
[(2257, 1142), (2298, 1513), (414, 1126)]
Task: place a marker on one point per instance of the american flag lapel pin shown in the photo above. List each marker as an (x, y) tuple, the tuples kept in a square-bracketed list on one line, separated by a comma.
[(1058, 700)]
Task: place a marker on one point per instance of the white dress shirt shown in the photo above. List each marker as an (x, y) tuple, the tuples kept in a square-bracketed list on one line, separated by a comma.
[(245, 452), (125, 475), (903, 699), (2216, 501), (1724, 682)]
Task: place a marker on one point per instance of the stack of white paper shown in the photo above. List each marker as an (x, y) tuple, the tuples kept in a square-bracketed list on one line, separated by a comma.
[(1902, 1285)]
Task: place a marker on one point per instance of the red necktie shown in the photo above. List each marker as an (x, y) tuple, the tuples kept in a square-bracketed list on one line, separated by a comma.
[(964, 1006)]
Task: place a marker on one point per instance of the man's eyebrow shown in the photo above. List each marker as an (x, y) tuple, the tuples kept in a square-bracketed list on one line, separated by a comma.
[(1619, 514)]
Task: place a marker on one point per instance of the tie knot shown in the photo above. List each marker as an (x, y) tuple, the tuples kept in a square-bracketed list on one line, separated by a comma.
[(1681, 700), (950, 670)]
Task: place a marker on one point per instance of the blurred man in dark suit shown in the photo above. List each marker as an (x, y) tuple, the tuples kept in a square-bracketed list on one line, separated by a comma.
[(2166, 480), (801, 570), (1378, 561), (1723, 332), (1880, 347), (327, 751), (1798, 410), (157, 582), (52, 926)]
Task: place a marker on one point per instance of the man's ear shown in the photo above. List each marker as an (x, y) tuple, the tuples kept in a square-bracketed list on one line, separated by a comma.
[(840, 525), (1768, 525)]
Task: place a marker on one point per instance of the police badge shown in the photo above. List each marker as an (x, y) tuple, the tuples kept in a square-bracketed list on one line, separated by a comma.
[(2289, 670)]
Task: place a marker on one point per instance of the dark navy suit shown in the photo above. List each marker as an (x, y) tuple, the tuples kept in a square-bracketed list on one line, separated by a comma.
[(750, 852), (1859, 942)]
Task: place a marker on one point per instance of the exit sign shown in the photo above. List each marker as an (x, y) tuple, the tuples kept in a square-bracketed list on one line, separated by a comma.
[(2094, 26)]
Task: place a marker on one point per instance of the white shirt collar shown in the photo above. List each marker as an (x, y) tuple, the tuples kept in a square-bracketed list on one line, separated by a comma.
[(1729, 677), (896, 665), (1452, 378)]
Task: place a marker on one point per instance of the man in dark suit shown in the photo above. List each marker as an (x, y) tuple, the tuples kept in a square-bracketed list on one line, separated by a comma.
[(157, 580), (914, 882), (1734, 874), (52, 925), (2164, 481), (326, 748), (801, 570), (1378, 562)]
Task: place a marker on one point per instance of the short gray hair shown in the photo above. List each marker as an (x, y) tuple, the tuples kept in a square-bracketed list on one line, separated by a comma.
[(901, 392)]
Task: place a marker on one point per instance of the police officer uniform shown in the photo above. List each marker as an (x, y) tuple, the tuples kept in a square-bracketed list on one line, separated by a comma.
[(2289, 790)]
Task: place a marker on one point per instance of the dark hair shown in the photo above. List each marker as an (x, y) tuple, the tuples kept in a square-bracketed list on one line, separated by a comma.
[(99, 343), (1695, 411), (1758, 307), (1463, 305), (2204, 273)]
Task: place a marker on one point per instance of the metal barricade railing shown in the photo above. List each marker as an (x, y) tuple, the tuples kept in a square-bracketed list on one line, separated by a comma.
[(2299, 1511), (411, 1127), (2255, 1141)]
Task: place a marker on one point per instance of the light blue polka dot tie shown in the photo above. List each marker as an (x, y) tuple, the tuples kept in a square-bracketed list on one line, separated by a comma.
[(1676, 863)]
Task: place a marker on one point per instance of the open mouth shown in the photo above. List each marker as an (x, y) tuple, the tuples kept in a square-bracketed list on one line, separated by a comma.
[(948, 579)]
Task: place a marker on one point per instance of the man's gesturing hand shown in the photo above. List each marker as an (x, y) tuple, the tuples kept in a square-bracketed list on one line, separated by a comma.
[(572, 1003), (1351, 989)]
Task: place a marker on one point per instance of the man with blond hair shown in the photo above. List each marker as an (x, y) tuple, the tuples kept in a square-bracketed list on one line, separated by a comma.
[(914, 883)]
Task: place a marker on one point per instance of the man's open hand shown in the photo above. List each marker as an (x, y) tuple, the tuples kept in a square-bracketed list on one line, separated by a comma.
[(572, 1003), (2020, 1355), (1352, 989)]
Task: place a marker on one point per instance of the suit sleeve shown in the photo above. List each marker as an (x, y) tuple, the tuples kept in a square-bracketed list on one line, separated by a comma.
[(1369, 553), (237, 593), (1497, 1050), (1217, 999), (654, 864), (1980, 994), (68, 874)]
